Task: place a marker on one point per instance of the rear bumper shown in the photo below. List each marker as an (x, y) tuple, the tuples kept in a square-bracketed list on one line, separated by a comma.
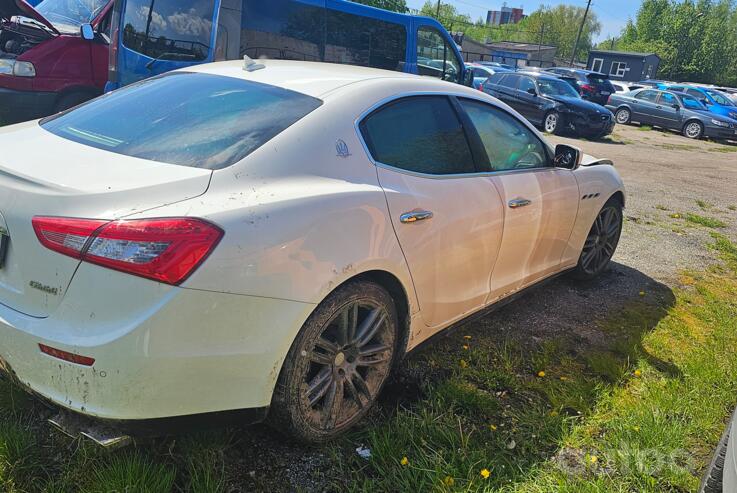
[(19, 106), (185, 353)]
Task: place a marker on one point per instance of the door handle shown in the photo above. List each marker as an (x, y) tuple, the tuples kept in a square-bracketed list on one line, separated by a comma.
[(414, 216), (517, 203)]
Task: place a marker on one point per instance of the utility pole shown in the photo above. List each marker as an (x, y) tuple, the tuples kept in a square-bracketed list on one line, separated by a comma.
[(580, 30), (437, 11), (540, 45)]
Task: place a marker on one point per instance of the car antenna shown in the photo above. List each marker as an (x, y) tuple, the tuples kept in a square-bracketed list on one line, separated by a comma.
[(251, 65)]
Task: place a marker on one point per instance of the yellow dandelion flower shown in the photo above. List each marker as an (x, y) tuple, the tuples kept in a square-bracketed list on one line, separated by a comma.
[(468, 338), (466, 347), (449, 481), (642, 293), (638, 373), (404, 461), (593, 459), (464, 363), (485, 473), (541, 374), (492, 427), (563, 379)]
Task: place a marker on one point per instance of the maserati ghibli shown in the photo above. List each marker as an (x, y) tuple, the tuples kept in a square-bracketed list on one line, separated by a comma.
[(269, 239)]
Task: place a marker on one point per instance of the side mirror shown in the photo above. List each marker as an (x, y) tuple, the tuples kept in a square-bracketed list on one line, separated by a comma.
[(87, 32), (676, 106), (468, 77), (532, 91), (567, 157)]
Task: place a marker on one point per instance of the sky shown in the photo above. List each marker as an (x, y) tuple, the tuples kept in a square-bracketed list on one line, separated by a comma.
[(613, 14)]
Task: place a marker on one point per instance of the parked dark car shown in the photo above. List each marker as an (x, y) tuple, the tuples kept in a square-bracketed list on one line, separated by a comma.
[(676, 111), (593, 86), (549, 102)]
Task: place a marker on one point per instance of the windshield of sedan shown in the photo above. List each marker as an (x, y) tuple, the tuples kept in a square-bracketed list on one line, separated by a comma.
[(691, 103), (189, 119), (720, 98), (556, 87), (69, 15)]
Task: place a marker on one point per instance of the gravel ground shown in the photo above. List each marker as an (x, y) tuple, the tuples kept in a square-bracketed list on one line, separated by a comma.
[(665, 174)]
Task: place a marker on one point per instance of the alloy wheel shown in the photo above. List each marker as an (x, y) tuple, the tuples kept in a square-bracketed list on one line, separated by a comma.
[(551, 122), (348, 363), (602, 240), (623, 116), (693, 130)]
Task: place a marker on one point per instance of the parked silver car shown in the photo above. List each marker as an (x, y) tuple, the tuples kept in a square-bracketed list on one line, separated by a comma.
[(672, 110)]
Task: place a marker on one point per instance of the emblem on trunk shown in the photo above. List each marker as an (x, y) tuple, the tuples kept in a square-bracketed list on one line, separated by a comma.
[(44, 288)]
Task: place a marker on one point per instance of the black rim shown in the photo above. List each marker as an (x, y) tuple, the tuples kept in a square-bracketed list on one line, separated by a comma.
[(348, 363), (602, 241)]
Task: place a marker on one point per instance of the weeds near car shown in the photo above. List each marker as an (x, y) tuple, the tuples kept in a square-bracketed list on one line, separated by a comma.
[(644, 127), (709, 222), (638, 411)]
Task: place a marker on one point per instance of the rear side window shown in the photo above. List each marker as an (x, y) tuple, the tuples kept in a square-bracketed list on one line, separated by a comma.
[(647, 95), (188, 119), (510, 81), (495, 79), (421, 134), (169, 29), (357, 40)]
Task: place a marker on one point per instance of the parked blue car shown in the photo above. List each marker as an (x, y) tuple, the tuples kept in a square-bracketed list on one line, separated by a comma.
[(715, 101), (483, 72)]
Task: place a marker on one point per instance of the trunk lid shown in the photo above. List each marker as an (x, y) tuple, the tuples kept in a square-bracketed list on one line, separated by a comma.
[(10, 8), (43, 174)]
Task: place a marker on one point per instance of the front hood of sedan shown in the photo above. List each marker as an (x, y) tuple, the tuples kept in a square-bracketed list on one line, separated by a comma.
[(581, 105)]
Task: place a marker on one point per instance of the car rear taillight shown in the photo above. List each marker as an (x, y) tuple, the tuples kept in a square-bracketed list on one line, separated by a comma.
[(166, 250), (588, 88)]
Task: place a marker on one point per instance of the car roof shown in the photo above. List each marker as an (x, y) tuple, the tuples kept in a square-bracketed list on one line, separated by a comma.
[(311, 78), (540, 75)]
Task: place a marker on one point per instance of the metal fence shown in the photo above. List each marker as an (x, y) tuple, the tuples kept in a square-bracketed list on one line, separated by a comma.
[(522, 61)]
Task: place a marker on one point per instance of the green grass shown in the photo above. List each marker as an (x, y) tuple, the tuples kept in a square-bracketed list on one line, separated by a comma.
[(703, 204), (644, 127), (709, 222), (641, 413), (639, 410)]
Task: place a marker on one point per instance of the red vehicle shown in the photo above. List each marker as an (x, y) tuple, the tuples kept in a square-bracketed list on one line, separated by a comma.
[(52, 57)]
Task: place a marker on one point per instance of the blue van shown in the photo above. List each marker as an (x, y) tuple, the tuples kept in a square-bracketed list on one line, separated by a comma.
[(150, 37)]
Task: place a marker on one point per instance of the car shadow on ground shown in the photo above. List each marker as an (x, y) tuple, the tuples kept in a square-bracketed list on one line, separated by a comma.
[(588, 325)]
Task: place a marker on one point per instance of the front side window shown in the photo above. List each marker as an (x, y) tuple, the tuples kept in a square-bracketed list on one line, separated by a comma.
[(667, 99), (169, 29), (69, 15), (435, 56), (283, 30), (647, 95), (719, 98), (188, 119), (526, 84), (509, 144), (365, 41), (421, 134)]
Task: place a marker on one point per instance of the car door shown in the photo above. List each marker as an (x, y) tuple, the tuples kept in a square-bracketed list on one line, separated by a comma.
[(507, 90), (540, 201), (666, 115), (643, 106), (529, 105), (448, 218)]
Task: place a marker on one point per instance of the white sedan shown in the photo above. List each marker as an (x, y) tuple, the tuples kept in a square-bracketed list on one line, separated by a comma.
[(273, 239)]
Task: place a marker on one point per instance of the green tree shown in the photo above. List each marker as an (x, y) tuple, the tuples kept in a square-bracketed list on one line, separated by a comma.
[(393, 5)]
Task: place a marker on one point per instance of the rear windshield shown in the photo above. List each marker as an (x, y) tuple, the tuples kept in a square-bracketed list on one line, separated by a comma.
[(188, 119), (599, 80)]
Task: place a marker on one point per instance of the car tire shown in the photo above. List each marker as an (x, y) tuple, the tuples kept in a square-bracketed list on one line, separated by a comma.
[(623, 116), (552, 123), (337, 365), (601, 242), (71, 100), (693, 130), (712, 480)]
